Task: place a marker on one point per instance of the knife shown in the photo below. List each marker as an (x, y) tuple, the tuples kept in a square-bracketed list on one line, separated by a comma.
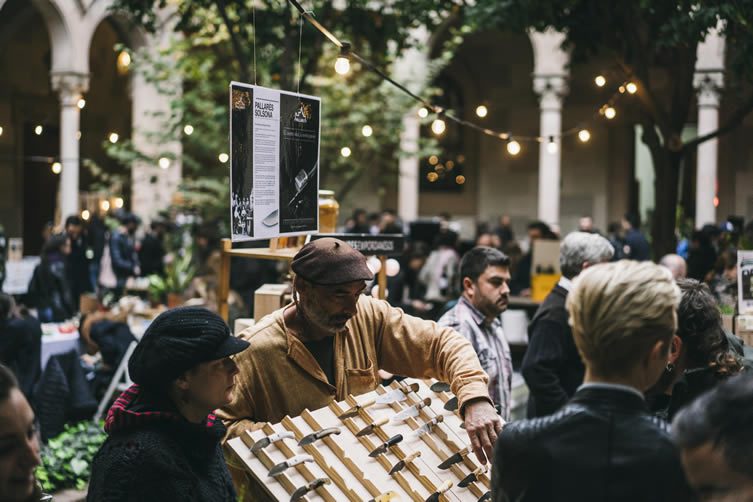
[(300, 492), (452, 404), (370, 428), (402, 463), (471, 478), (428, 425), (287, 464), (412, 411), (385, 497), (272, 438), (394, 396), (315, 436), (386, 445), (434, 497), (454, 459), (485, 497), (440, 387)]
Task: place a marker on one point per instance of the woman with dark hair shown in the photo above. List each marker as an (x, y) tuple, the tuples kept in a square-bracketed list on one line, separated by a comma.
[(49, 289), (19, 443), (701, 354), (164, 440)]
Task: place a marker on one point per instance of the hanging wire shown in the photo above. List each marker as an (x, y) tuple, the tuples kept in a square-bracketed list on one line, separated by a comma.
[(300, 39), (253, 35)]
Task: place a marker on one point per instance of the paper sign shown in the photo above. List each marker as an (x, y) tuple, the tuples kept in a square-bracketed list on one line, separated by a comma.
[(745, 282)]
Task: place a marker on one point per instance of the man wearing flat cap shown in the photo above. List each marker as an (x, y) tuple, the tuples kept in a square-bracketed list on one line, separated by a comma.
[(331, 342)]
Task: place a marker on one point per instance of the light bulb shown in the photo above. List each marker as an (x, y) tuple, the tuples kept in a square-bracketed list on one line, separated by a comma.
[(123, 62), (610, 112), (433, 160), (600, 81), (423, 113), (345, 152), (188, 129), (432, 177), (393, 267), (81, 103), (460, 179), (513, 147), (164, 162), (223, 157), (57, 167), (438, 126), (584, 135), (342, 65), (78, 135), (105, 205), (367, 130), (118, 202), (551, 146), (1, 131), (114, 137), (374, 264), (631, 87), (38, 130), (375, 291), (85, 214), (481, 111)]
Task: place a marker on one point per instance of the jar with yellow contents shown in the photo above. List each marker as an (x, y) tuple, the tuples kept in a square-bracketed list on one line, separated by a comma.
[(329, 209)]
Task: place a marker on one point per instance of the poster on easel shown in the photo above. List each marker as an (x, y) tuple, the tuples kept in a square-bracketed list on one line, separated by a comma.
[(274, 162), (745, 282)]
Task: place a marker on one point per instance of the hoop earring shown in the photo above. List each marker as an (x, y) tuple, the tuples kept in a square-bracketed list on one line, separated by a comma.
[(670, 368)]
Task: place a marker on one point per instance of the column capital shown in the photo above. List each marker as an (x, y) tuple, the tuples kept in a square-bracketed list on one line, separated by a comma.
[(70, 86), (551, 90), (709, 84)]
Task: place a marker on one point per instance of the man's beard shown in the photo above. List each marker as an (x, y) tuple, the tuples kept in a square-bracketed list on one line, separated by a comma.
[(312, 315)]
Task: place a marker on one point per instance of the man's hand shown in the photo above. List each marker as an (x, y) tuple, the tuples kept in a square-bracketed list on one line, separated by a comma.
[(483, 426)]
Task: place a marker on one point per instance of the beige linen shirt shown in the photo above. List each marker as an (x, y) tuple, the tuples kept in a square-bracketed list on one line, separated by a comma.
[(279, 376)]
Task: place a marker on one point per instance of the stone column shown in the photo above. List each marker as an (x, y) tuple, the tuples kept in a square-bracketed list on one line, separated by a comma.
[(708, 85), (551, 90), (71, 87)]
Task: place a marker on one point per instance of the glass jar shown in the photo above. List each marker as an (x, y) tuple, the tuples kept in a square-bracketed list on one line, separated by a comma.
[(329, 210)]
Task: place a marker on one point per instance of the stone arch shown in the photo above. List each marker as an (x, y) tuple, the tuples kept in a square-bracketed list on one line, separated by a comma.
[(134, 37), (63, 23)]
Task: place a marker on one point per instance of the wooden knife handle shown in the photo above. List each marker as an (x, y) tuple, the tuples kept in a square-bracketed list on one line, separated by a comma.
[(445, 486), (413, 456), (381, 422)]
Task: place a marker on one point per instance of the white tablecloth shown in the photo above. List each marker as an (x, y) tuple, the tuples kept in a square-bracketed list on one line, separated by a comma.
[(18, 274), (54, 342)]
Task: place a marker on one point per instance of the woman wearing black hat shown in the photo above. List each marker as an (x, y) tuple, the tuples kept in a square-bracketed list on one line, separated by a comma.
[(164, 440)]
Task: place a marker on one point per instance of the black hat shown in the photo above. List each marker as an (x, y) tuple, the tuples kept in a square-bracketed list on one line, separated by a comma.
[(176, 341), (329, 261)]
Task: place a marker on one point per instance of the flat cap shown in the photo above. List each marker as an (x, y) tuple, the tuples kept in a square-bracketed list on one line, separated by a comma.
[(176, 341), (329, 261)]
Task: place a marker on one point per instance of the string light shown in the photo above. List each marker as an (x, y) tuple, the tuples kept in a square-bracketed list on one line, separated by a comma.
[(432, 177), (1, 130), (584, 135), (513, 147), (600, 80), (85, 215), (78, 135), (610, 112), (460, 179), (551, 146), (105, 205), (423, 112), (433, 160), (81, 103), (631, 87), (481, 111), (223, 157), (188, 129), (123, 62), (118, 202), (38, 130), (367, 130), (342, 65), (438, 127), (716, 201), (114, 137), (164, 162), (57, 167), (345, 152)]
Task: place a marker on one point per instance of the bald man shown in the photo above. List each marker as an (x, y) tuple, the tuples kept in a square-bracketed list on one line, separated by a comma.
[(676, 264)]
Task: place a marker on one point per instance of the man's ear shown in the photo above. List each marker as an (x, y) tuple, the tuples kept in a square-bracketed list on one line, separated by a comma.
[(659, 352), (468, 285), (675, 349), (183, 381)]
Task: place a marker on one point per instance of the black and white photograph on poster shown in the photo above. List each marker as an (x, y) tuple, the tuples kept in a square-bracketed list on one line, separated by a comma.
[(241, 162), (745, 282), (299, 163)]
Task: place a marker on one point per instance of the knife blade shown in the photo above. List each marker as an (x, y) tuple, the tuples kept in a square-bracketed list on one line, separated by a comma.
[(272, 438), (393, 396), (485, 497), (454, 459), (370, 428), (291, 462), (316, 436), (300, 492), (413, 411), (428, 425), (471, 478), (440, 387), (434, 497), (400, 465), (386, 445), (385, 497), (452, 404)]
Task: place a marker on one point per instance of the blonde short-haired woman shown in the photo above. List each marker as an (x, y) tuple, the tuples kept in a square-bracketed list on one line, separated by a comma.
[(603, 445)]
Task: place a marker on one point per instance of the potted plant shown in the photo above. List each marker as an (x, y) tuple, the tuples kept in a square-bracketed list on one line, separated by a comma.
[(170, 288)]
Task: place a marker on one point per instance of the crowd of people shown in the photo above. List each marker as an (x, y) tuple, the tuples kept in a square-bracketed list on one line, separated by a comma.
[(619, 349)]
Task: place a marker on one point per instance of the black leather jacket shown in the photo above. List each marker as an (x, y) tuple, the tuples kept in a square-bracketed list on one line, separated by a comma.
[(602, 446)]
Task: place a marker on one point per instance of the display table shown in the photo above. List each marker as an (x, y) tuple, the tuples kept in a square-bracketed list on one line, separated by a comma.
[(18, 275), (55, 341)]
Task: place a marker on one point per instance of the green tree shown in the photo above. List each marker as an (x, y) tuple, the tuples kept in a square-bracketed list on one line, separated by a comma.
[(224, 41), (651, 42)]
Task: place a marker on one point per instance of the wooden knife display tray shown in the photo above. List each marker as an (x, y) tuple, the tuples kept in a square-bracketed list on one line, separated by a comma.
[(344, 458)]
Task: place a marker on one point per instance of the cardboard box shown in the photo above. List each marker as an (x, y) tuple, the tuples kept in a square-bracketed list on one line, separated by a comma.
[(269, 298)]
